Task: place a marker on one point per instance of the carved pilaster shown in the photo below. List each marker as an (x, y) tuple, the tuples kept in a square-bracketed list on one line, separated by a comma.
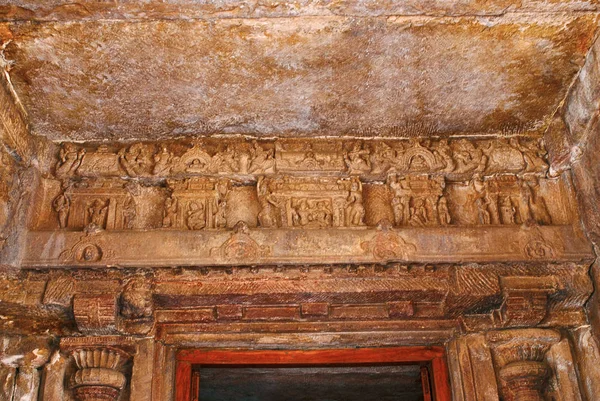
[(20, 361), (519, 357), (98, 376)]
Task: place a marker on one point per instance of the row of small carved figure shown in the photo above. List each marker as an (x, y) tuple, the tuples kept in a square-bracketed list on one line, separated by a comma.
[(460, 156), (426, 204)]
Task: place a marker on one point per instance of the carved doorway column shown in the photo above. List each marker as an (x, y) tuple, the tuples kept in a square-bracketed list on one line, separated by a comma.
[(519, 356), (20, 361)]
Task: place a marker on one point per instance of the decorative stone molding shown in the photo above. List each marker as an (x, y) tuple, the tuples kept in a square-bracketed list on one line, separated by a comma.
[(95, 314), (520, 360), (21, 357), (98, 376), (525, 299)]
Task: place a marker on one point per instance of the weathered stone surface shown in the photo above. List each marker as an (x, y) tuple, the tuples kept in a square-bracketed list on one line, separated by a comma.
[(431, 215), (91, 10), (410, 75)]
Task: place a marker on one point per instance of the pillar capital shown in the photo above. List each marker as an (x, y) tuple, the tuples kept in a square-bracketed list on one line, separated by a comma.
[(519, 356), (98, 376)]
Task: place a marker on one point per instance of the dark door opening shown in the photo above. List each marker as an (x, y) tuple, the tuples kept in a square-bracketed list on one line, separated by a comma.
[(365, 374), (311, 383)]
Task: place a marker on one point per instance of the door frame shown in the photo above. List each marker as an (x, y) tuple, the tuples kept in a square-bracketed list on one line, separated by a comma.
[(434, 356)]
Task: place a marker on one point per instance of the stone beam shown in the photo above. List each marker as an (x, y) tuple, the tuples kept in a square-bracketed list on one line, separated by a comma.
[(189, 9)]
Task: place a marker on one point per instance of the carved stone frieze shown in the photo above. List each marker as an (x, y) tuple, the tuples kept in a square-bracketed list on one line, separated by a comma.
[(368, 158)]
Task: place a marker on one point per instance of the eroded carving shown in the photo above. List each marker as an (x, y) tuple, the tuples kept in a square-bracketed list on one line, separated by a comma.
[(241, 247), (388, 245)]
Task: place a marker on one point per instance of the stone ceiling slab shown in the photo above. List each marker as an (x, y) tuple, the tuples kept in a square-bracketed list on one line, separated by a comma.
[(368, 76), (53, 10)]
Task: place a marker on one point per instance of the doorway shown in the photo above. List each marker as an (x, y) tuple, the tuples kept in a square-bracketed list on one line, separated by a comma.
[(382, 374)]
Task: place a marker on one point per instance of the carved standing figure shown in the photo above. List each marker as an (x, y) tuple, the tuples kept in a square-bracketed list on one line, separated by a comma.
[(537, 204), (482, 211), (443, 211), (270, 206), (507, 210), (97, 213), (61, 205), (170, 212), (221, 214), (129, 212), (355, 211)]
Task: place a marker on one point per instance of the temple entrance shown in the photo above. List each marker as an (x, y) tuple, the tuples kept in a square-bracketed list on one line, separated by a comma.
[(406, 374)]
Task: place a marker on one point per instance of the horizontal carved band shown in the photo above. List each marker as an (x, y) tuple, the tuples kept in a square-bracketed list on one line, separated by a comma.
[(277, 246), (368, 158)]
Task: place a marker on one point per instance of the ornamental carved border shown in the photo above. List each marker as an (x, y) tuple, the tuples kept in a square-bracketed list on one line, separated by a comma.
[(222, 201)]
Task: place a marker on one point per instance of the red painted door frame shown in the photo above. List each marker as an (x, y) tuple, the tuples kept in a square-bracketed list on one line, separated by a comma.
[(435, 356)]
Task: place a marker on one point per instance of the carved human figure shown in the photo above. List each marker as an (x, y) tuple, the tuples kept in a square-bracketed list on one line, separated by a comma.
[(228, 162), (170, 212), (355, 210), (507, 210), (310, 161), (536, 203), (221, 214), (533, 155), (196, 216), (418, 213), (443, 211), (381, 158), (61, 205), (356, 159), (300, 213), (97, 212), (482, 211), (162, 162), (468, 158), (269, 207), (443, 156), (321, 213), (137, 159), (129, 212), (69, 160), (262, 161), (90, 253)]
